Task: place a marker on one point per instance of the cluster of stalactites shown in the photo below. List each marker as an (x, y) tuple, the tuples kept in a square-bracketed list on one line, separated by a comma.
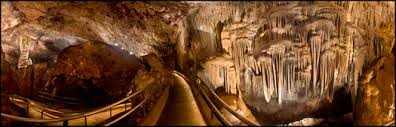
[(311, 49), (222, 73), (313, 62)]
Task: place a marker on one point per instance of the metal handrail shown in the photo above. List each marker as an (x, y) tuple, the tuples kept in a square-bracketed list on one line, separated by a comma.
[(43, 110), (61, 97), (129, 112), (65, 119), (49, 98), (46, 110), (218, 114), (126, 114), (227, 107), (390, 123), (222, 103), (16, 98)]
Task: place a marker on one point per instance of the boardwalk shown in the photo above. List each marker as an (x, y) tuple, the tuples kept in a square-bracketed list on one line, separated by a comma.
[(181, 108)]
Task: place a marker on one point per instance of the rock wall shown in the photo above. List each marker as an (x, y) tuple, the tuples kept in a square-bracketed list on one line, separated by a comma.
[(277, 55), (287, 54), (95, 72), (140, 28), (9, 86), (376, 94)]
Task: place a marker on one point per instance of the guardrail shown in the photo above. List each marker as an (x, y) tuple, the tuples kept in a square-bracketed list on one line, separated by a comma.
[(212, 107), (21, 101), (226, 106), (59, 97), (222, 119), (392, 123), (66, 119)]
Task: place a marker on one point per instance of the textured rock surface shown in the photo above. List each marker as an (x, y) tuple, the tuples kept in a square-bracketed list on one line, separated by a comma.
[(376, 99), (8, 83), (139, 27), (292, 56), (95, 72), (8, 87), (288, 60)]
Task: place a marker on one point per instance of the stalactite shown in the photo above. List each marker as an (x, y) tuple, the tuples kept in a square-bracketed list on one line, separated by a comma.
[(327, 70), (280, 75), (315, 42), (258, 85), (266, 84), (293, 78), (271, 80), (321, 61), (274, 76)]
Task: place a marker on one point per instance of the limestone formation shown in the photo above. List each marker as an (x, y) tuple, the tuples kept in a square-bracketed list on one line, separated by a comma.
[(376, 94), (287, 60), (24, 46), (289, 51)]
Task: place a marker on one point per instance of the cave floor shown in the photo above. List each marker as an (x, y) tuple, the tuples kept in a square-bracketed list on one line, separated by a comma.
[(181, 107)]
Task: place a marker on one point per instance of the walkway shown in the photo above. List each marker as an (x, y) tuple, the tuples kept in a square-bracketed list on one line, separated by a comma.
[(181, 108)]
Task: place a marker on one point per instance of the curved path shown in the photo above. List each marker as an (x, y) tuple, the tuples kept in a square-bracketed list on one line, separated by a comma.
[(181, 108)]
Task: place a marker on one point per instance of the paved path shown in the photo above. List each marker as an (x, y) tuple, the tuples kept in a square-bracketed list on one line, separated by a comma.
[(181, 108)]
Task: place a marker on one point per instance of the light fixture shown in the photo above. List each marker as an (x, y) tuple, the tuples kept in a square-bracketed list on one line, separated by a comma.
[(116, 44), (130, 53), (122, 48)]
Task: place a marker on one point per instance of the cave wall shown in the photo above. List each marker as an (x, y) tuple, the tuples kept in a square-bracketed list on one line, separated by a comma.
[(287, 54), (376, 94), (306, 55), (95, 72), (50, 27), (140, 28)]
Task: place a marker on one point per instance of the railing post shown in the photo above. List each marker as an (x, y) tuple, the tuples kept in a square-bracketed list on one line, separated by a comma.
[(65, 123), (27, 110), (110, 111), (42, 114), (85, 118)]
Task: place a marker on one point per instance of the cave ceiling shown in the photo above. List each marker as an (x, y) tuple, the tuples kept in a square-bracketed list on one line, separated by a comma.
[(286, 54)]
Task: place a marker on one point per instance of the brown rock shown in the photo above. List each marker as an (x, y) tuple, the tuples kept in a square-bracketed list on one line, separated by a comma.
[(95, 72), (8, 83), (375, 105), (8, 86), (39, 76)]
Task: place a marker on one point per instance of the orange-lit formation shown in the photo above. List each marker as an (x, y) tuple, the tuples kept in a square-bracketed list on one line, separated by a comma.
[(197, 63)]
